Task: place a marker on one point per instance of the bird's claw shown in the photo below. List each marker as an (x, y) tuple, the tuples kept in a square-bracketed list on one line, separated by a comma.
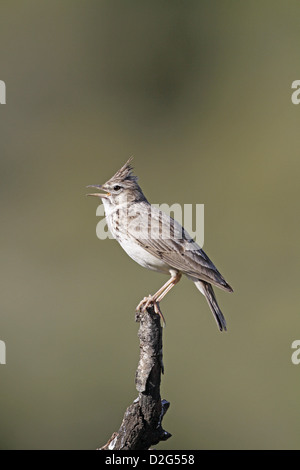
[(148, 302)]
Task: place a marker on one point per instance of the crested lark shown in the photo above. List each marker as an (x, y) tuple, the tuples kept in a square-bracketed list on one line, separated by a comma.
[(156, 241)]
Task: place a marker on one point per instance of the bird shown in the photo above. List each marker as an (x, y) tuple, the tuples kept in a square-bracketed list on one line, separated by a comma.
[(156, 241)]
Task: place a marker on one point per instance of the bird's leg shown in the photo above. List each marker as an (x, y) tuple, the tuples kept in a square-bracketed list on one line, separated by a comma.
[(173, 281), (158, 296), (162, 292), (146, 302)]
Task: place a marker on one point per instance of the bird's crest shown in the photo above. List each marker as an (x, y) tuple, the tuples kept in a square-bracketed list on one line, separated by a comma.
[(124, 174)]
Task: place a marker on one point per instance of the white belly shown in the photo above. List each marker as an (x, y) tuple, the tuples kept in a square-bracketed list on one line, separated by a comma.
[(142, 257), (132, 248)]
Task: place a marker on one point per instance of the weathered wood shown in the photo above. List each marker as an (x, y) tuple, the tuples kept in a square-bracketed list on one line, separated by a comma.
[(142, 423)]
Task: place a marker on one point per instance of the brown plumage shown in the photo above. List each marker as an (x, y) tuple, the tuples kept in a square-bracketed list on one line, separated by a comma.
[(156, 241)]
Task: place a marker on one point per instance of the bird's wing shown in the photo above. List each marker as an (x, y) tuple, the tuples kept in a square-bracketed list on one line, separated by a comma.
[(169, 241)]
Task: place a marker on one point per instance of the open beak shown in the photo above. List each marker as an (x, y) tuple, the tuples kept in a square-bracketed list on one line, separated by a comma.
[(103, 195)]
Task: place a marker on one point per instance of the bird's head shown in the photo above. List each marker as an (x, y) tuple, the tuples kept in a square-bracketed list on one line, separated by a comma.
[(120, 189)]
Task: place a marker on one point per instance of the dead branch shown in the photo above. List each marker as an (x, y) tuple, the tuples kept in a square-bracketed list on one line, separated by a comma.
[(141, 427)]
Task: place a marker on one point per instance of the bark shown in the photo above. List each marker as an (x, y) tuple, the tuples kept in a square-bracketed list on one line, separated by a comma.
[(142, 423)]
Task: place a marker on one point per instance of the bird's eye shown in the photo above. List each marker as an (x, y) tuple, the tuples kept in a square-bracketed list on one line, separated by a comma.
[(117, 187)]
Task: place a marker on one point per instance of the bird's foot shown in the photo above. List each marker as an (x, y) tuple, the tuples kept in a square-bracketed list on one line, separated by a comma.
[(149, 302), (145, 303)]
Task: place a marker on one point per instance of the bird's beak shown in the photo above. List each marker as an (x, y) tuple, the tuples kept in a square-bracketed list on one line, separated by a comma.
[(102, 195)]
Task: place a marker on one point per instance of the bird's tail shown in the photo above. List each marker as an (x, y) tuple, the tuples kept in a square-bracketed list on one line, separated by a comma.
[(206, 289)]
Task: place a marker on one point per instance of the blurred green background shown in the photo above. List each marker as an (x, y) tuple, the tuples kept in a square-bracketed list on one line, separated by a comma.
[(200, 93)]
